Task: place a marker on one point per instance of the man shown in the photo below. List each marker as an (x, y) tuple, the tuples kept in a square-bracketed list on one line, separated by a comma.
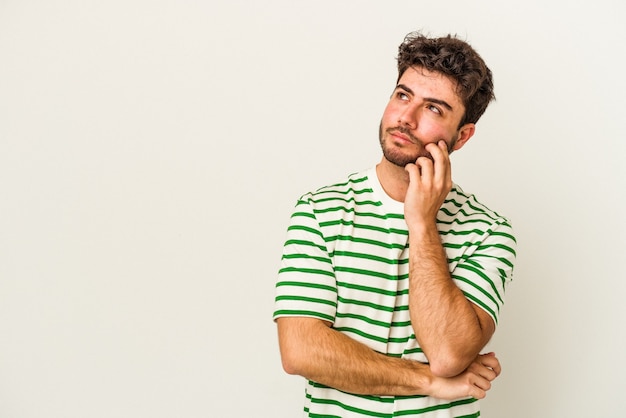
[(392, 281)]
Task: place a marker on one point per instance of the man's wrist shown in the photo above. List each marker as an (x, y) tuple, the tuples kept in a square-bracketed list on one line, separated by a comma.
[(421, 379), (424, 230)]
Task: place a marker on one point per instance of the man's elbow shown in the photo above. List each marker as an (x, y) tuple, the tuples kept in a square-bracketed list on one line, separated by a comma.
[(293, 354), (449, 365), (291, 363), (297, 338)]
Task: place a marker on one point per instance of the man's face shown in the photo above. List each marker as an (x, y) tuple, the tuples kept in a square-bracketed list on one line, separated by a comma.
[(423, 108)]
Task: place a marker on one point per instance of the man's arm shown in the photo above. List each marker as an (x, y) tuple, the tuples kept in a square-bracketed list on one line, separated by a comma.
[(311, 348), (449, 328)]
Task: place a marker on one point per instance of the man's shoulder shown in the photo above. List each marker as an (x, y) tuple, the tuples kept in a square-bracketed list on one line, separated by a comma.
[(459, 204), (354, 183)]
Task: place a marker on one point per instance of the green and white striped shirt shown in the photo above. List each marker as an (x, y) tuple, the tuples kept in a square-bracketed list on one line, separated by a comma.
[(346, 261)]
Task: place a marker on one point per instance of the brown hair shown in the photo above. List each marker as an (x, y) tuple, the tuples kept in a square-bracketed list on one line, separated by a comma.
[(455, 59)]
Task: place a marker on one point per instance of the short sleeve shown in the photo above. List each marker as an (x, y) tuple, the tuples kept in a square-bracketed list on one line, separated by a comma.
[(484, 272), (306, 283)]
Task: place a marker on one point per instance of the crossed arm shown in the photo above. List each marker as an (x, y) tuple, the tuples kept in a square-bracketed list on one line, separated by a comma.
[(310, 348)]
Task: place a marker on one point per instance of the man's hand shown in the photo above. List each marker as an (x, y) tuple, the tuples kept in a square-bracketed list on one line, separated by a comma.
[(429, 184), (475, 381)]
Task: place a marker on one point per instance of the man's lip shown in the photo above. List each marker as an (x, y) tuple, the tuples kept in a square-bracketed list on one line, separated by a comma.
[(400, 135)]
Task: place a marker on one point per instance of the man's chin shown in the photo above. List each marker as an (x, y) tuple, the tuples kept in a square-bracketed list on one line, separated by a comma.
[(403, 160), (400, 161)]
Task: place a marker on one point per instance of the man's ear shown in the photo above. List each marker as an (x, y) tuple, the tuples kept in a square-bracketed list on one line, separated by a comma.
[(465, 133)]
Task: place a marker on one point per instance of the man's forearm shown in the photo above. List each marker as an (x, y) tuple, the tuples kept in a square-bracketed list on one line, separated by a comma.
[(311, 349), (448, 327)]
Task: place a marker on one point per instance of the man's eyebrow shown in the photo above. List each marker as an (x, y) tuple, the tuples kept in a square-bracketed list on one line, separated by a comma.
[(428, 99)]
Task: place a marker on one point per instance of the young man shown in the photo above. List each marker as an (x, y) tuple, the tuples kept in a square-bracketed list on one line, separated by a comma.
[(392, 281)]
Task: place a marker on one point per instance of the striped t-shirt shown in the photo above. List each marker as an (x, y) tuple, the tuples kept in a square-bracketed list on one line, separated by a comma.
[(346, 261)]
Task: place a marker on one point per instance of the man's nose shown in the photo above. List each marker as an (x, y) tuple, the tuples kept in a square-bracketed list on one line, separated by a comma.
[(409, 117)]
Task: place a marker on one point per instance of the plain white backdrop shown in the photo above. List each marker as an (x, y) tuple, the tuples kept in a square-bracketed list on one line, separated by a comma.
[(151, 153)]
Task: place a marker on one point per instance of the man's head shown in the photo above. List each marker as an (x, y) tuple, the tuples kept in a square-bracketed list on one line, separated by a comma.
[(443, 88), (455, 59)]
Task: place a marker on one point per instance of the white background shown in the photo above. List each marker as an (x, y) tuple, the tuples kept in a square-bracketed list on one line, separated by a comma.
[(151, 153)]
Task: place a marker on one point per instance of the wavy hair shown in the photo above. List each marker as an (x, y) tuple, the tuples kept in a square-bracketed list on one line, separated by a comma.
[(455, 59)]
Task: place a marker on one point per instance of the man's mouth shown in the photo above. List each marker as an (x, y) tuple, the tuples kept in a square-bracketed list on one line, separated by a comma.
[(402, 134)]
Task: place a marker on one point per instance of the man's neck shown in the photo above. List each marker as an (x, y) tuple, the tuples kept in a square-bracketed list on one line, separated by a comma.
[(393, 179)]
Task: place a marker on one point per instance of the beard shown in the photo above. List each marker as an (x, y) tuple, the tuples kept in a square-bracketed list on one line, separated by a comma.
[(401, 157)]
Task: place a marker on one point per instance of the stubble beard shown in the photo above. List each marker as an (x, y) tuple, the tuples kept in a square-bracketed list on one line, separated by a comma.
[(399, 158)]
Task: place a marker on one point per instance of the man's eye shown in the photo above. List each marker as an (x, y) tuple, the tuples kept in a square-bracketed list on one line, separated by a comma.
[(434, 109), (402, 96)]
